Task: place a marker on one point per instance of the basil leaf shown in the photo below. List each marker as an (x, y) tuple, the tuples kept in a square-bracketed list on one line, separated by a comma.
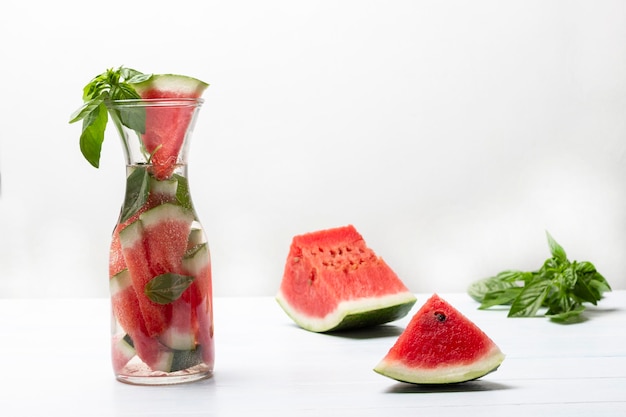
[(85, 110), (557, 251), (571, 316), (584, 292), (182, 192), (559, 285), (500, 297), (530, 299), (136, 77), (137, 192), (167, 288), (109, 85), (479, 289), (92, 136), (134, 118)]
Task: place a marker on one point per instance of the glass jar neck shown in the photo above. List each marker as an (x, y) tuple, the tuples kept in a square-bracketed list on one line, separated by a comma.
[(156, 132)]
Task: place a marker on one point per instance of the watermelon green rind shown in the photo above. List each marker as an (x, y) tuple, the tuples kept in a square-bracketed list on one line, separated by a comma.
[(185, 359), (119, 282), (444, 374), (171, 85), (121, 352), (196, 258), (353, 314), (440, 346)]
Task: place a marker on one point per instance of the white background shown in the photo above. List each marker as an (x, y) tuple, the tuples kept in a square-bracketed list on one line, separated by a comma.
[(451, 134)]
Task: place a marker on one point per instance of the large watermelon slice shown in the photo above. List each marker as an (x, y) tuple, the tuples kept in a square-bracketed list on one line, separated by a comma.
[(440, 346), (166, 126), (333, 281)]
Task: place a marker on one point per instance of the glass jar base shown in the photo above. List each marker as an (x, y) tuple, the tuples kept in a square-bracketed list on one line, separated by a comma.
[(165, 378)]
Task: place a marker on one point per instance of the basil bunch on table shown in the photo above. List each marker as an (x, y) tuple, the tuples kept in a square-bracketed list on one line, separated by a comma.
[(560, 287)]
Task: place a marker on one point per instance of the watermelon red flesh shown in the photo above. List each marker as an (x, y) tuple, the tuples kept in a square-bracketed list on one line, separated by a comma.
[(440, 335), (127, 312), (204, 313), (440, 345), (153, 245), (191, 315), (332, 266), (197, 263), (166, 126), (121, 352), (200, 296), (160, 192)]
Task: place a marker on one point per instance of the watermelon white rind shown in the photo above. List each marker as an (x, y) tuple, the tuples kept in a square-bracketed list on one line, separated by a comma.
[(440, 346), (119, 282), (175, 338), (353, 314), (171, 86), (443, 375)]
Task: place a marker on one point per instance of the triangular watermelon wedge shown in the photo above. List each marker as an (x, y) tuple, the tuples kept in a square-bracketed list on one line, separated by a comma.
[(440, 346), (333, 281), (167, 125)]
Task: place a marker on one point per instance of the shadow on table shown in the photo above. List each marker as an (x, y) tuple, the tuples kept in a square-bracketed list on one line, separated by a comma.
[(383, 330), (470, 386)]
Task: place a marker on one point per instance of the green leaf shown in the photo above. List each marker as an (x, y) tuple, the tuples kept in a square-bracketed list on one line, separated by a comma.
[(530, 299), (133, 76), (557, 251), (583, 291), (182, 192), (559, 285), (92, 136), (479, 289), (137, 77), (110, 85), (134, 118), (567, 317), (504, 296), (167, 288), (137, 192), (84, 110)]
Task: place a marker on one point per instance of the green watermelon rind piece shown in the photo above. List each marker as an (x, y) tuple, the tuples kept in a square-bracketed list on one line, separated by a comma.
[(196, 258), (452, 374), (119, 282), (121, 351), (164, 212), (167, 187), (178, 84), (185, 359), (196, 237), (178, 340), (352, 314)]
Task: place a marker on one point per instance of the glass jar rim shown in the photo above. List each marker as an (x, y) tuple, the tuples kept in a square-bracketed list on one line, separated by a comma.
[(156, 102)]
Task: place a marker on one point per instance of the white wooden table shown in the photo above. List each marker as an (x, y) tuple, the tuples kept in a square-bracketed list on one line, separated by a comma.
[(55, 362)]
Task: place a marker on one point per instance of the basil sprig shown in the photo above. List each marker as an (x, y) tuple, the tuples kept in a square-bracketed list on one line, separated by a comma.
[(113, 84), (560, 286)]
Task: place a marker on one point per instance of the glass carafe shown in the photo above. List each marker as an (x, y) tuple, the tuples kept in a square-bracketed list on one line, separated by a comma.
[(159, 265)]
